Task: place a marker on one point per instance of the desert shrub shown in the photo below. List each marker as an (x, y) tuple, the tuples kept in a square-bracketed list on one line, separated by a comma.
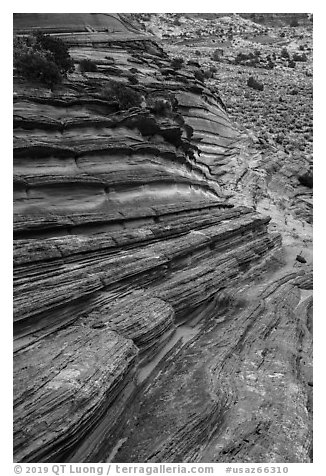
[(199, 75), (216, 56), (42, 58), (254, 84), (193, 63), (35, 66), (285, 53), (165, 71), (279, 138), (132, 78), (249, 59), (299, 58), (301, 47), (176, 63), (87, 65), (207, 73), (145, 16), (291, 63), (240, 58), (33, 63), (160, 106), (197, 53), (306, 179), (59, 51), (177, 22), (124, 95)]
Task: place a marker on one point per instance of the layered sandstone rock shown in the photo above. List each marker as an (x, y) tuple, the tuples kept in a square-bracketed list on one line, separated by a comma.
[(230, 393), (123, 235)]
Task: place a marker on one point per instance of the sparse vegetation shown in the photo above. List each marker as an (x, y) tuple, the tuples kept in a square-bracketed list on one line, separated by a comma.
[(193, 63), (285, 53), (124, 95), (254, 84), (87, 65), (58, 49), (306, 179), (160, 106), (199, 75), (34, 65), (207, 73), (216, 56), (284, 83), (247, 59), (177, 22), (299, 58), (42, 58), (177, 63), (132, 78)]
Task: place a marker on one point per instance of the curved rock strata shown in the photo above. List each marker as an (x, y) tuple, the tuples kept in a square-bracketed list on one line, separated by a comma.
[(230, 393), (123, 237), (64, 385)]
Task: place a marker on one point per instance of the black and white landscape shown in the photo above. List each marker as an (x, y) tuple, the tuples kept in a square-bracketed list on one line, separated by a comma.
[(163, 238)]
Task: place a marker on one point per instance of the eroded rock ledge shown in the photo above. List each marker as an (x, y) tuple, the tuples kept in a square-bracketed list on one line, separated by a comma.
[(124, 235)]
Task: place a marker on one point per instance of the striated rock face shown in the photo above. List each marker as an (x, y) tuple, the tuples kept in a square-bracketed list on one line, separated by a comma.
[(64, 385), (230, 393), (127, 249)]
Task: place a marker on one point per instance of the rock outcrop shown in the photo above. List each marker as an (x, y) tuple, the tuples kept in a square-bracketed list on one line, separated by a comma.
[(124, 235), (229, 394)]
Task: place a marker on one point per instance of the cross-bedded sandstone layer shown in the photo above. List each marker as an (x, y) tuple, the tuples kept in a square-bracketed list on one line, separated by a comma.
[(124, 237)]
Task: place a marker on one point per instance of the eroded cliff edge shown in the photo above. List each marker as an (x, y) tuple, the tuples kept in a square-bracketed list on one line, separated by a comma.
[(153, 319)]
